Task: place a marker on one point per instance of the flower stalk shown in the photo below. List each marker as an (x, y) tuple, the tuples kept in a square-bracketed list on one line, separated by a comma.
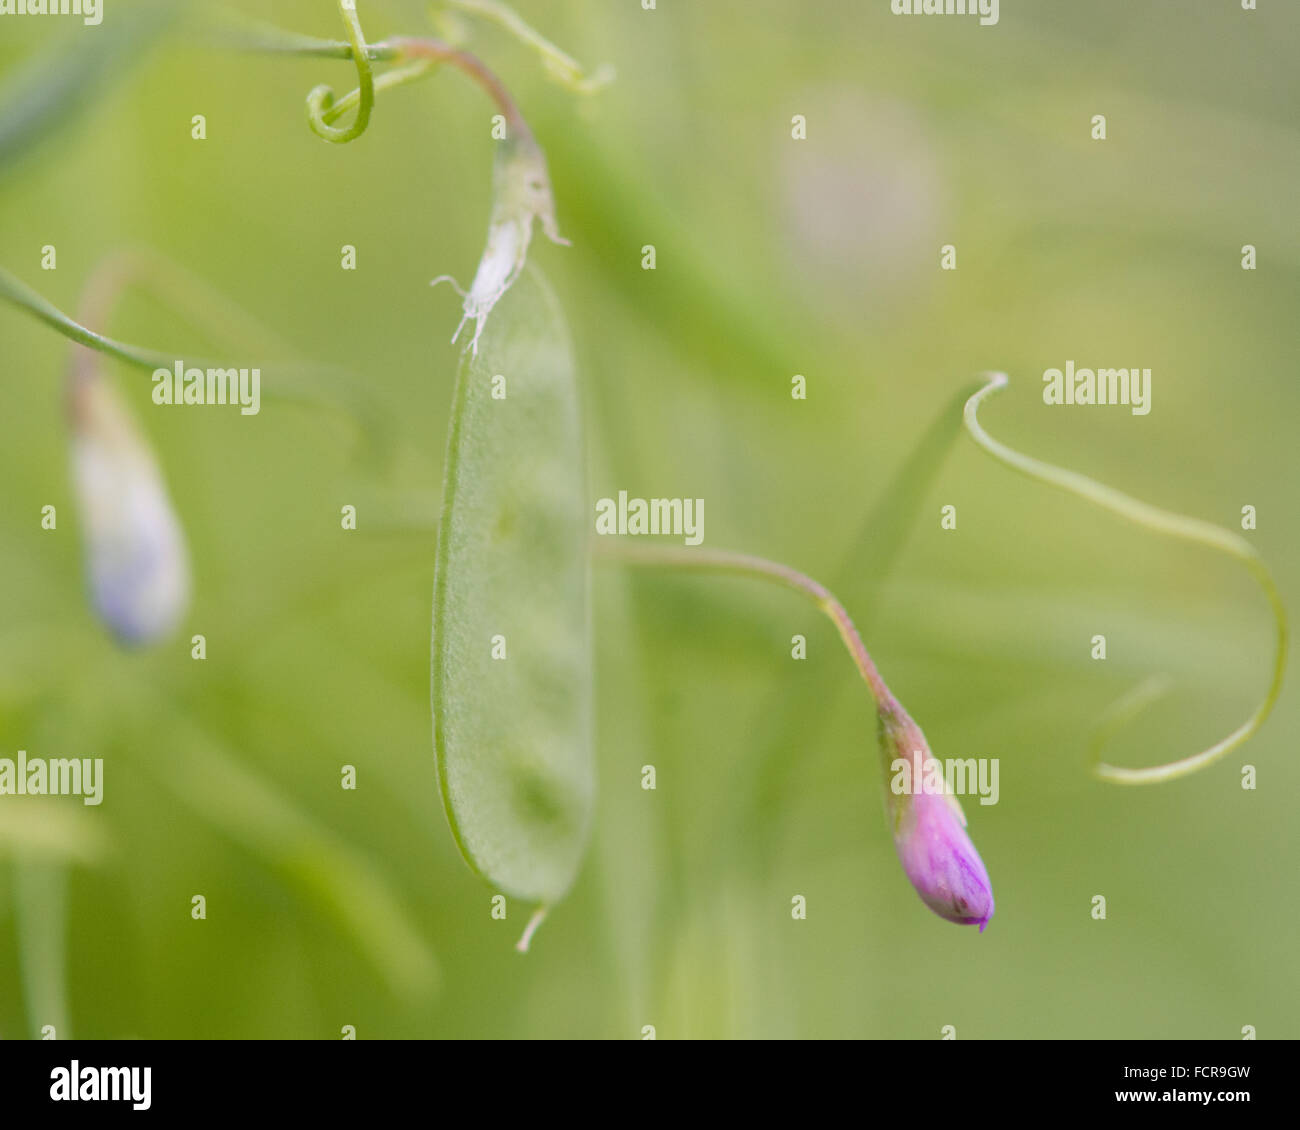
[(928, 827)]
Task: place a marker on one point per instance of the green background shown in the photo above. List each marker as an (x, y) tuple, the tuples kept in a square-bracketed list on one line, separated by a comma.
[(774, 257)]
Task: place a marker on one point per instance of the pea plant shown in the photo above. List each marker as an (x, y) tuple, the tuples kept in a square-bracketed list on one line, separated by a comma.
[(512, 632)]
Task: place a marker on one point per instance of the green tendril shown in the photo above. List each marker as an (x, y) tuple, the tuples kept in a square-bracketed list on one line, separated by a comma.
[(1163, 522), (396, 77), (415, 57), (321, 99), (561, 67)]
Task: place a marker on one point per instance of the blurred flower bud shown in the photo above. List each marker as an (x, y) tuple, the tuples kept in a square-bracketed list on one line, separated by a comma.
[(135, 551), (521, 191), (928, 826)]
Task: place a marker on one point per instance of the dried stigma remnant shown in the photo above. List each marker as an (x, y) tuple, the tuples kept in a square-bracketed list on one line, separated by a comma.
[(521, 192)]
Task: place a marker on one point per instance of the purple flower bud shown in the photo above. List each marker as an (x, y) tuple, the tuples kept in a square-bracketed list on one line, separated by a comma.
[(135, 552), (928, 826)]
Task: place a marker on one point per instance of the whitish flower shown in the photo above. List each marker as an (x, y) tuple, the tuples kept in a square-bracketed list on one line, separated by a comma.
[(135, 552)]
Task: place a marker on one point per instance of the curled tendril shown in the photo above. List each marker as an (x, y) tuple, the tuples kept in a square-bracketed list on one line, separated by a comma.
[(321, 99), (1164, 522)]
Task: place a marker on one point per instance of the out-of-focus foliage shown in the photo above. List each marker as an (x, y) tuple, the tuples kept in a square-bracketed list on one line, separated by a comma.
[(774, 257)]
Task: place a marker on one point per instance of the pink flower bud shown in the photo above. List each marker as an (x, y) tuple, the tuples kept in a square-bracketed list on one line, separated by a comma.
[(929, 827)]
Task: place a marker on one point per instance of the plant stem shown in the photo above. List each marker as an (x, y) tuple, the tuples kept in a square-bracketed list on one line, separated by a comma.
[(399, 49), (198, 303), (1163, 522), (21, 295), (312, 384), (436, 51), (109, 279), (724, 561), (247, 33)]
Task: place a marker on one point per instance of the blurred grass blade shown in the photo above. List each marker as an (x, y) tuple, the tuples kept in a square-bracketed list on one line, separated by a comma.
[(56, 86), (882, 535), (513, 734), (46, 831), (40, 889), (340, 880)]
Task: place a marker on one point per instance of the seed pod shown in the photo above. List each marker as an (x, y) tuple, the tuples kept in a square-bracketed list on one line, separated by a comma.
[(136, 562), (511, 638)]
